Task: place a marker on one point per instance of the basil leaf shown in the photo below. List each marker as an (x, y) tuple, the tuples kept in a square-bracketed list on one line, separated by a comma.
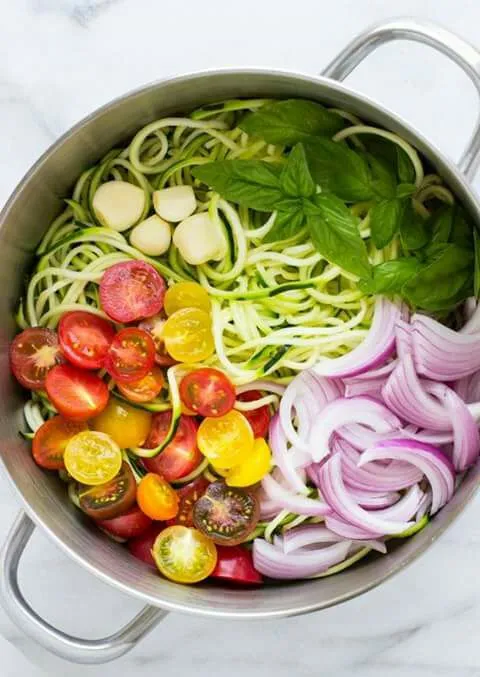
[(335, 234), (295, 179), (384, 181), (405, 189), (405, 169), (340, 170), (462, 232), (288, 122), (476, 270), (391, 276), (287, 224), (441, 225), (251, 183), (413, 229), (385, 218)]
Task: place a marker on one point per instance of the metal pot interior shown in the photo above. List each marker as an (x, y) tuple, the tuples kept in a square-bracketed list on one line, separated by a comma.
[(22, 224)]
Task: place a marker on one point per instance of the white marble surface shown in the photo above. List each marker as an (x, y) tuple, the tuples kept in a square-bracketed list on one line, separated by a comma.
[(60, 59)]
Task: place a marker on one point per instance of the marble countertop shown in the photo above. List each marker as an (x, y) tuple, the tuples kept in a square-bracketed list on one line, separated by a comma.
[(59, 60)]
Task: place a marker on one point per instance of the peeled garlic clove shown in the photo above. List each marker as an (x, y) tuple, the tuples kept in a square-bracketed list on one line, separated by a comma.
[(118, 204), (152, 236), (199, 239), (174, 204)]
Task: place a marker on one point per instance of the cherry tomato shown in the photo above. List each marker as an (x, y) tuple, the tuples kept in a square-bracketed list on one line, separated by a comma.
[(253, 468), (92, 458), (131, 290), (189, 495), (154, 327), (51, 439), (32, 354), (144, 390), (131, 355), (208, 392), (181, 456), (130, 524), (186, 295), (235, 564), (227, 515), (188, 335), (76, 394), (85, 338), (109, 500), (259, 418), (226, 441), (141, 547), (184, 555), (126, 425), (156, 497)]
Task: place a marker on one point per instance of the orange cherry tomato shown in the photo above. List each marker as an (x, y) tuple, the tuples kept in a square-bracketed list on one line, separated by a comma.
[(156, 498), (144, 390), (50, 440)]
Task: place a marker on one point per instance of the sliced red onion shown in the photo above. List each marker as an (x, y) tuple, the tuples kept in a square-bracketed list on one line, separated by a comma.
[(317, 534), (433, 463), (346, 530), (344, 411), (271, 561), (360, 437), (372, 500), (377, 347), (403, 338), (372, 388), (428, 436), (284, 458), (468, 388), (373, 374), (300, 505)]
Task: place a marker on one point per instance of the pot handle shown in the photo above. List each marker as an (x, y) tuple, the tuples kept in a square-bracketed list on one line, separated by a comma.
[(457, 49), (70, 648)]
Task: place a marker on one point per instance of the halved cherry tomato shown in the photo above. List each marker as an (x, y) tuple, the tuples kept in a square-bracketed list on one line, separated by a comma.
[(184, 555), (259, 418), (141, 547), (131, 355), (189, 495), (186, 295), (76, 394), (85, 338), (130, 524), (128, 426), (253, 468), (144, 390), (208, 392), (92, 458), (109, 500), (154, 326), (188, 335), (156, 498), (226, 441), (51, 439), (181, 456), (235, 564), (32, 354), (131, 290), (227, 515)]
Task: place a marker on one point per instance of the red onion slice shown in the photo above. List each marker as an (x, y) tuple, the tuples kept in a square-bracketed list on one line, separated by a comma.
[(285, 458), (346, 530), (300, 505), (316, 534), (271, 561)]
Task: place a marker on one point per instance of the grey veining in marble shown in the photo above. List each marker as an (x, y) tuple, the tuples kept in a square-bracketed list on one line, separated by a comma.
[(59, 60)]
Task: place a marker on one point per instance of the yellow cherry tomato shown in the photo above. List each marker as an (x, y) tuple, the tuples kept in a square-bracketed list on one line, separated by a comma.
[(128, 426), (92, 458), (186, 295), (184, 554), (156, 498), (253, 468), (188, 335), (226, 440)]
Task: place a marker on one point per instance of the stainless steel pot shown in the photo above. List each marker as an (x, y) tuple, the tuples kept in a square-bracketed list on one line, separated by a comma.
[(22, 223)]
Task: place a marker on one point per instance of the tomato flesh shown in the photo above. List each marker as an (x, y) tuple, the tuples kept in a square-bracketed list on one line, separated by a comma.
[(253, 468), (227, 440), (184, 555), (128, 426), (141, 547), (207, 392), (156, 498), (259, 419), (109, 500), (51, 439), (144, 390), (130, 356), (154, 327), (33, 354), (235, 564), (76, 394), (188, 335), (85, 338), (131, 291), (92, 458), (188, 496), (130, 524), (186, 295), (181, 456)]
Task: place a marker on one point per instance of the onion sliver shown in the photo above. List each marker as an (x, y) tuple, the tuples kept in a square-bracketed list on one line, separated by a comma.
[(271, 561)]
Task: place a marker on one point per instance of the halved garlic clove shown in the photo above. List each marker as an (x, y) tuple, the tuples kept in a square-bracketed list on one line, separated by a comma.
[(118, 204), (174, 204), (152, 236), (199, 239)]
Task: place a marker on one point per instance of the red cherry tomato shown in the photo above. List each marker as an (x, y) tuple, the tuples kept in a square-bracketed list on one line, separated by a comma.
[(131, 355), (189, 495), (144, 390), (50, 440), (76, 394), (131, 524), (259, 419), (32, 354), (85, 338), (181, 456), (235, 564), (141, 547), (208, 392), (131, 291), (154, 326)]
